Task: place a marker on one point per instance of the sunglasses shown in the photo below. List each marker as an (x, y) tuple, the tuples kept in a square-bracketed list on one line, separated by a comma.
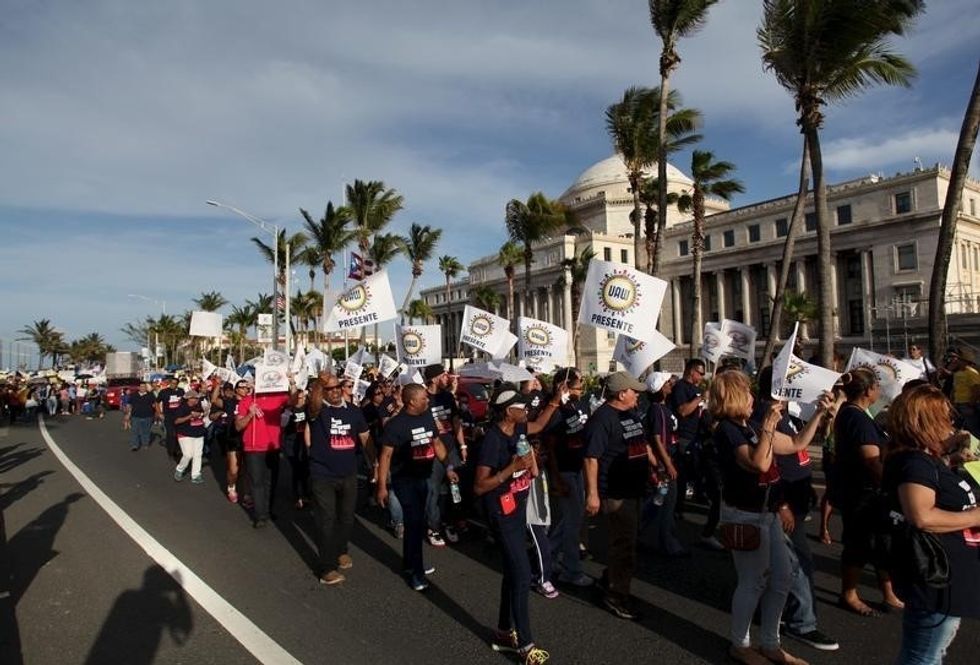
[(335, 386)]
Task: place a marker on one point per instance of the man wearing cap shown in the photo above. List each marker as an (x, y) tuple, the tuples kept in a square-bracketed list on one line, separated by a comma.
[(616, 466), (449, 425), (168, 401), (138, 416), (190, 425)]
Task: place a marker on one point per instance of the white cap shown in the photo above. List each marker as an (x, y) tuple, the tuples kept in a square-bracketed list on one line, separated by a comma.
[(657, 380)]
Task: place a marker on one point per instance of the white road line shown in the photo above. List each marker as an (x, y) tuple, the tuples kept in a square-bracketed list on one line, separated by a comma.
[(260, 645)]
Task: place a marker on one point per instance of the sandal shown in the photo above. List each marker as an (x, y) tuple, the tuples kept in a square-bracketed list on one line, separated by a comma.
[(780, 656), (864, 611), (747, 656)]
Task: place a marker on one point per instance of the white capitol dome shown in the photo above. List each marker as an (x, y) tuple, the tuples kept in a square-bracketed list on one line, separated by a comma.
[(609, 176)]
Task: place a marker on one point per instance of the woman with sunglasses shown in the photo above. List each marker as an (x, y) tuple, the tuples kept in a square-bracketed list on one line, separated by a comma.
[(504, 470)]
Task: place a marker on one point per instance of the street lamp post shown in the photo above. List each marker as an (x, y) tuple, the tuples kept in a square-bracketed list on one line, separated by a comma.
[(268, 227)]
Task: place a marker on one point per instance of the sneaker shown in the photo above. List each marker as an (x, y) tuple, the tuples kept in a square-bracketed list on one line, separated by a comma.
[(331, 578), (399, 531), (534, 656), (504, 642), (547, 589), (712, 543), (178, 475), (581, 580), (134, 448), (232, 495), (198, 479), (429, 569), (619, 609), (418, 583), (344, 562), (815, 639), (435, 539), (451, 534)]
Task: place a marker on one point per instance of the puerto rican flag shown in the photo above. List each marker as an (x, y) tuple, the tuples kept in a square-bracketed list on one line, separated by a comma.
[(359, 267)]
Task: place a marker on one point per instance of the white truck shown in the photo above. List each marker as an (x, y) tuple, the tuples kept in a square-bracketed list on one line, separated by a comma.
[(122, 373)]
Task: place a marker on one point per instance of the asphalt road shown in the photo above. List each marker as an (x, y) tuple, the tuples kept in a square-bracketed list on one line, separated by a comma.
[(74, 588)]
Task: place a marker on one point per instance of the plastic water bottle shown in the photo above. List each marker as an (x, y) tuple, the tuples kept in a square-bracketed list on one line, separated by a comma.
[(523, 447), (454, 490), (663, 487)]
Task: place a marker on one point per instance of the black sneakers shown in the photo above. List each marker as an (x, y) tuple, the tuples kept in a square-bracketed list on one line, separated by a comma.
[(815, 639), (619, 609)]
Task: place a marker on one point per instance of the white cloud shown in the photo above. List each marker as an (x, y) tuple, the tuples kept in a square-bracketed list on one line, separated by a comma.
[(929, 145)]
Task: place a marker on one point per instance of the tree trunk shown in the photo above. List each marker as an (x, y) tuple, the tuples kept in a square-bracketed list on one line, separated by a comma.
[(649, 233), (528, 259), (661, 165), (637, 219), (788, 248), (825, 264), (576, 304), (510, 298), (947, 227), (408, 296), (697, 247), (452, 345)]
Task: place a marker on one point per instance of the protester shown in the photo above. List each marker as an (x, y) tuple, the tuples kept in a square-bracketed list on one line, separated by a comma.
[(751, 501), (446, 414), (189, 424), (661, 427), (168, 401), (138, 416), (296, 450), (934, 499), (859, 441), (963, 386), (505, 469), (224, 408), (410, 445), (334, 431), (917, 358), (616, 472)]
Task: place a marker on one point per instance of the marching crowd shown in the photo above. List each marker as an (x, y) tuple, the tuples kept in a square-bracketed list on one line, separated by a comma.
[(547, 456)]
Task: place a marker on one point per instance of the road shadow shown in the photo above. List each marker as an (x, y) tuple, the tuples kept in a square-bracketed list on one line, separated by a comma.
[(134, 628), (13, 456), (10, 646), (32, 547), (18, 491)]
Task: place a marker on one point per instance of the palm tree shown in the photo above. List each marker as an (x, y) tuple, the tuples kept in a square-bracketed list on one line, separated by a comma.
[(709, 180), (385, 248), (419, 309), (823, 51), (650, 198), (577, 267), (44, 336), (241, 319), (210, 301), (91, 348), (485, 298), (329, 235), (799, 308), (947, 227), (312, 259), (633, 127), (450, 267), (671, 20), (418, 246), (370, 207), (509, 257), (530, 222)]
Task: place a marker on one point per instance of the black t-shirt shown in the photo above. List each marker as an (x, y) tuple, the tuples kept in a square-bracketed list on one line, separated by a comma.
[(141, 406), (412, 438), (742, 489), (793, 467), (443, 407), (195, 426), (566, 435), (854, 428), (661, 422), (535, 402), (170, 399), (962, 597), (334, 437), (496, 452), (226, 421), (616, 438), (388, 407), (687, 426)]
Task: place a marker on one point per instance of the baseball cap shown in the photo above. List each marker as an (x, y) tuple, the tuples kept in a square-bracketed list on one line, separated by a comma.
[(508, 396), (432, 371), (619, 381), (657, 380)]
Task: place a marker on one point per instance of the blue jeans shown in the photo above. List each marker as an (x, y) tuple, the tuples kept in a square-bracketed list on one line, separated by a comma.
[(411, 493), (799, 613), (394, 507), (515, 586), (925, 637), (139, 433), (433, 502), (565, 534)]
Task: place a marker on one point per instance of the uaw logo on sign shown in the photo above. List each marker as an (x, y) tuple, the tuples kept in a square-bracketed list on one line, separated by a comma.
[(355, 299), (413, 344), (619, 293), (481, 325), (634, 346), (538, 345), (537, 336)]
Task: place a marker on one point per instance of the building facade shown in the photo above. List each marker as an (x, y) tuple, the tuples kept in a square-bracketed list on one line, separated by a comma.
[(884, 235)]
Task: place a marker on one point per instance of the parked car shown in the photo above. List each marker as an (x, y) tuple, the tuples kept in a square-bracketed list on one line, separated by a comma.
[(478, 390)]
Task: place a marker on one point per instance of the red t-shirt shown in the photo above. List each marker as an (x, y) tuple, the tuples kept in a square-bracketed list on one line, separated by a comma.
[(262, 434)]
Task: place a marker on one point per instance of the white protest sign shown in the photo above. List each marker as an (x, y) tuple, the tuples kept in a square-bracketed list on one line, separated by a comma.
[(507, 342), (411, 377), (353, 370), (740, 338), (206, 324), (230, 363), (512, 373), (363, 304), (892, 373), (274, 358), (298, 367), (271, 378), (264, 328), (797, 380), (315, 362), (207, 368), (418, 346), (485, 331), (715, 342), (637, 356), (361, 356), (619, 298), (541, 345), (360, 390), (387, 365)]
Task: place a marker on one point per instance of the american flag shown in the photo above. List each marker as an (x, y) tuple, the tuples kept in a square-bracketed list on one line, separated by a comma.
[(280, 303), (359, 267)]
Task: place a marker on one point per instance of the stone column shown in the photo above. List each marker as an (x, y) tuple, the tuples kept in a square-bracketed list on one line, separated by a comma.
[(771, 284), (867, 288), (800, 267), (720, 286), (675, 289), (746, 297), (835, 293)]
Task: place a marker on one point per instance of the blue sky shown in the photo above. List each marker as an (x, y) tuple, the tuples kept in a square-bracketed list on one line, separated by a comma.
[(119, 119)]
